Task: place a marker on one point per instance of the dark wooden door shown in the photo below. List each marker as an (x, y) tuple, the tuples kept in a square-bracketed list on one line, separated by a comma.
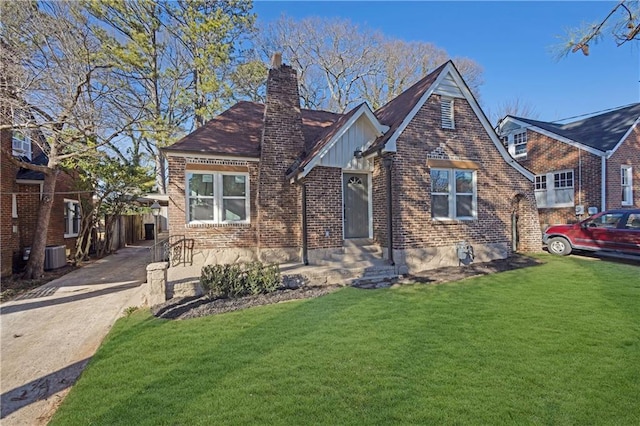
[(356, 205)]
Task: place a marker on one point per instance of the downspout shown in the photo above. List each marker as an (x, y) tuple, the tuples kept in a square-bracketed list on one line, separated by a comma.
[(305, 257), (387, 162), (603, 183)]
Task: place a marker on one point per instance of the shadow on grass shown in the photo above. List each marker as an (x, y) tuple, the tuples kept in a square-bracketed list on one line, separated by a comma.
[(456, 273)]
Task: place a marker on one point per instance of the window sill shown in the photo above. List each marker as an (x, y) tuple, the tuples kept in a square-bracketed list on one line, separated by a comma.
[(218, 225), (71, 235), (449, 221), (557, 206)]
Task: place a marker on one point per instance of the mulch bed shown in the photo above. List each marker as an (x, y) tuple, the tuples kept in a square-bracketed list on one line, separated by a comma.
[(195, 307)]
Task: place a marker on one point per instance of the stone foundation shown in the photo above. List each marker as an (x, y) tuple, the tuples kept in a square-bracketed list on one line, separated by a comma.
[(416, 260), (280, 255), (320, 255)]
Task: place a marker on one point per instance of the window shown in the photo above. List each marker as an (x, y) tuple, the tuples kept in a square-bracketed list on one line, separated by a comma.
[(446, 107), (555, 189), (626, 183), (516, 143), (633, 221), (453, 194), (21, 145), (520, 144), (14, 206), (71, 218), (609, 220), (218, 197)]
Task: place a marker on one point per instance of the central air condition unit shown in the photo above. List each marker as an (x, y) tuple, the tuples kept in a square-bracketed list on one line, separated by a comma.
[(55, 257)]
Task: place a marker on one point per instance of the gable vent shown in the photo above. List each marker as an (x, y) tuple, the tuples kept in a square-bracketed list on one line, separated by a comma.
[(446, 106)]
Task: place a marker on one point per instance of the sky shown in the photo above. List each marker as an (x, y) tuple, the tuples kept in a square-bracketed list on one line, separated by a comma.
[(513, 42)]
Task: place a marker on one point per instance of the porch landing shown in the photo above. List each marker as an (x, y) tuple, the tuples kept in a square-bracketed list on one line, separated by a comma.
[(359, 263)]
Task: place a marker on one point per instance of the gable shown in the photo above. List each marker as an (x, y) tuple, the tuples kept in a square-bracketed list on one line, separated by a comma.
[(354, 131), (448, 87), (357, 137), (599, 133), (449, 76)]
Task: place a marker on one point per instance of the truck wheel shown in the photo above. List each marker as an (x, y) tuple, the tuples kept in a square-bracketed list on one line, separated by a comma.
[(559, 245)]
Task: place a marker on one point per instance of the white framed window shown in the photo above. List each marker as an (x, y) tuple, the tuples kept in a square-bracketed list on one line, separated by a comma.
[(520, 144), (21, 145), (217, 197), (453, 194), (446, 109), (555, 189), (516, 143), (626, 182), (14, 206), (71, 218)]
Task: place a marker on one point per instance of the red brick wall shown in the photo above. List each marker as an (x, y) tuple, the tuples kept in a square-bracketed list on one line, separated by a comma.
[(9, 242), (28, 202), (627, 154), (324, 207), (279, 202), (497, 184), (379, 201), (209, 236), (545, 154)]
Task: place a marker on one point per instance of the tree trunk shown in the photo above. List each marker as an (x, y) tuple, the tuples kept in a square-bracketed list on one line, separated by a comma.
[(35, 265), (161, 173)]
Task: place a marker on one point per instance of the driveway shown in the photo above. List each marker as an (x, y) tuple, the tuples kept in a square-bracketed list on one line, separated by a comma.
[(49, 334)]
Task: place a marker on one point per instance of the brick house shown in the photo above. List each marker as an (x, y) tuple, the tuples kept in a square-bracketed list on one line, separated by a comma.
[(285, 184), (21, 190), (583, 166)]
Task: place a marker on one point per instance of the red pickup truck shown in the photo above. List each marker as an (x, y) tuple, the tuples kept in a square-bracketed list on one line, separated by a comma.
[(611, 230)]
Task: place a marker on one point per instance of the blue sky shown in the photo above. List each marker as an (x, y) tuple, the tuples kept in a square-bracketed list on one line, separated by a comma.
[(511, 40)]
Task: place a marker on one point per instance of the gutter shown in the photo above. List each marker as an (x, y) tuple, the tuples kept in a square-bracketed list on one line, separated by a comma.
[(305, 256), (387, 162), (603, 183)]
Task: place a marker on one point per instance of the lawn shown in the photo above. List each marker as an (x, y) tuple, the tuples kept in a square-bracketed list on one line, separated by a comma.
[(552, 344)]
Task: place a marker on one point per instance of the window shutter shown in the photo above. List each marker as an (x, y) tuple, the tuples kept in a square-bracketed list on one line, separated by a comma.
[(446, 106)]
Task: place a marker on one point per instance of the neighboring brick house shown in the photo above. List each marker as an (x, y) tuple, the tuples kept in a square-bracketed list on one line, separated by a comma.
[(21, 192), (281, 183), (583, 166)]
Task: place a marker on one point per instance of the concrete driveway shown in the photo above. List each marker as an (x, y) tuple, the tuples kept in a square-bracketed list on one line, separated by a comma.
[(49, 334)]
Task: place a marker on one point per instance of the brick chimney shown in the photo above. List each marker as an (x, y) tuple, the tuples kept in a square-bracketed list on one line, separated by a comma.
[(279, 201)]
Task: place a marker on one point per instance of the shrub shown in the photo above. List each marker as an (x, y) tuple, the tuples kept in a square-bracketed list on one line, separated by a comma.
[(240, 279)]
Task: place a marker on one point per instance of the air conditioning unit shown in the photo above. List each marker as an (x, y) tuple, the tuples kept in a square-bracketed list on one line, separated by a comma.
[(55, 257)]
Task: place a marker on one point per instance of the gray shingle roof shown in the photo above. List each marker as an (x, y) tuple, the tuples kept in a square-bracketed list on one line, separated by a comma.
[(601, 132)]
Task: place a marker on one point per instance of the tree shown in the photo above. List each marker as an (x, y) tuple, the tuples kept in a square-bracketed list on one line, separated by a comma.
[(515, 107), (55, 84), (340, 64), (174, 58), (116, 183), (623, 22)]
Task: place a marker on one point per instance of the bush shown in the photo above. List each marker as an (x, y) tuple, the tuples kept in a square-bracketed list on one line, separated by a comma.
[(240, 279)]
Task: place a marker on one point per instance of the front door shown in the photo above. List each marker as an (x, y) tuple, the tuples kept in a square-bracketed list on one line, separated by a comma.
[(356, 205)]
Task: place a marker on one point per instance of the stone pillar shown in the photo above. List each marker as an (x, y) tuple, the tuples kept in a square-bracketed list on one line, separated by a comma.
[(156, 283)]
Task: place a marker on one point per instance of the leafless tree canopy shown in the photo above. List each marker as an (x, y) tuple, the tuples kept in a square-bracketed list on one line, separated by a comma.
[(340, 64)]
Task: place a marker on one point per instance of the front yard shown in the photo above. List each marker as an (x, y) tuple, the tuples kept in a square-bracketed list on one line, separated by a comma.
[(552, 344)]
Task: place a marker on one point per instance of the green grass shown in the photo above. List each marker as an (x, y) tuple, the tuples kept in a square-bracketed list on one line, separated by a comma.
[(551, 344)]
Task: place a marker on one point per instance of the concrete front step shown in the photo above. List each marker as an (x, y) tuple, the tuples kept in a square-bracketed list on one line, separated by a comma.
[(340, 274)]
